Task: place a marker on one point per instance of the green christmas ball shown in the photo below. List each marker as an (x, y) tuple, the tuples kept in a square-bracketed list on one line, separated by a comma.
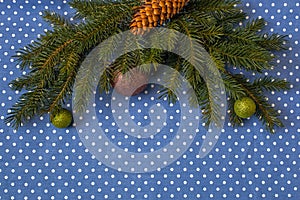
[(62, 119), (244, 107)]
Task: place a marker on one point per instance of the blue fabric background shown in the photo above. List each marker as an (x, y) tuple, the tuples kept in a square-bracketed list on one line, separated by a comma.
[(42, 162)]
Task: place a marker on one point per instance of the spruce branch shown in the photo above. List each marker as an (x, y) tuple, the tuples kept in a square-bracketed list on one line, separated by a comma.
[(28, 105), (250, 34), (206, 32), (234, 88), (255, 25), (52, 52), (218, 60), (97, 9), (273, 42), (249, 57), (233, 118), (173, 80), (46, 63), (62, 88), (265, 111), (56, 19), (269, 83), (53, 59), (105, 82), (242, 36), (153, 56), (218, 8), (128, 60), (226, 12), (24, 57)]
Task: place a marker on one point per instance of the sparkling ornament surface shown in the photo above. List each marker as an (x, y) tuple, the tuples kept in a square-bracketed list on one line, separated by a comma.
[(244, 107), (130, 83), (62, 119)]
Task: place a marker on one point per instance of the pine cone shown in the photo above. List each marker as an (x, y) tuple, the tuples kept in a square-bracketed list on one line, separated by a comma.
[(154, 12)]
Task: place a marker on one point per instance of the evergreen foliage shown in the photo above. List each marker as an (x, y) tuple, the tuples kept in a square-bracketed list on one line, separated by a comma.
[(52, 61)]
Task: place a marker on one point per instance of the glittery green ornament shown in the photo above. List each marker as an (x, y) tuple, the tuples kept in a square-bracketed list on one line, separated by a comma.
[(61, 119), (244, 107)]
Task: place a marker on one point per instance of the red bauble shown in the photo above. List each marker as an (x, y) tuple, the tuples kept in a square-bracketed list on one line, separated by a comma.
[(130, 84)]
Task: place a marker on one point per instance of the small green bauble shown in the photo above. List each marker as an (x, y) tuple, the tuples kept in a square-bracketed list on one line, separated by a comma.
[(244, 107), (62, 119)]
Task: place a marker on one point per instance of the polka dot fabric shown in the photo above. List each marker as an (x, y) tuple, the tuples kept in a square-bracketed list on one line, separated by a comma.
[(41, 162)]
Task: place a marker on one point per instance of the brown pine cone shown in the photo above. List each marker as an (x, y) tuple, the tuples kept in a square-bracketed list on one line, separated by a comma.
[(154, 12)]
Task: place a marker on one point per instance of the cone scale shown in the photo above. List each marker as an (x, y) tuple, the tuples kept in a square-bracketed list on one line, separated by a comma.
[(153, 13)]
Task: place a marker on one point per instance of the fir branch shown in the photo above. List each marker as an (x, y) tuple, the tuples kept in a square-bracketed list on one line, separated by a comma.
[(25, 57), (270, 83), (219, 8), (198, 25), (248, 34), (54, 59), (254, 26), (29, 104), (206, 103), (105, 82), (172, 37), (265, 111), (233, 118), (273, 42), (153, 57), (190, 51), (203, 18), (46, 63), (249, 57), (48, 53), (230, 21), (207, 32), (44, 60), (22, 82), (42, 98), (217, 59), (91, 34), (225, 12), (128, 60), (64, 83), (243, 37), (233, 87), (31, 54), (56, 19), (85, 84), (210, 109), (102, 27), (193, 76), (97, 8), (173, 81)]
